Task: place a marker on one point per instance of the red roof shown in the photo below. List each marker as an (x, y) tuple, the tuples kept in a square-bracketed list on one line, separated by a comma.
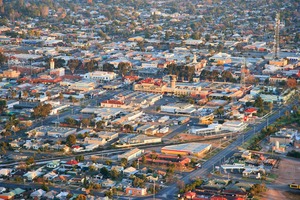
[(132, 78), (112, 101), (72, 162), (218, 198), (157, 82), (190, 195), (250, 110)]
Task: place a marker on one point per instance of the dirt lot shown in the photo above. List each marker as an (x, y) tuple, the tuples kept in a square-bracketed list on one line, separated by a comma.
[(275, 194), (288, 172)]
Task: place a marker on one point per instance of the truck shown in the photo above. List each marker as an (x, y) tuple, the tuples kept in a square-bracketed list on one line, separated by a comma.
[(183, 120)]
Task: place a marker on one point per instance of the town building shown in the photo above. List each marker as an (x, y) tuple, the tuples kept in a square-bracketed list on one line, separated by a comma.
[(100, 76), (136, 191), (51, 131), (197, 149), (10, 73), (233, 126), (131, 154)]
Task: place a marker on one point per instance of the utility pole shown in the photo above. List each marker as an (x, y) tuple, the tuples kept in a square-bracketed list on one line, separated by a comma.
[(154, 190), (243, 138)]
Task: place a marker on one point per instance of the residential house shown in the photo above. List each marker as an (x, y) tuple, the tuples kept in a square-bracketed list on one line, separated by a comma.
[(37, 194), (130, 171), (14, 194), (136, 191)]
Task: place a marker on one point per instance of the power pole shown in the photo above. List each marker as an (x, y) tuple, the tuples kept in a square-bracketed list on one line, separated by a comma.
[(154, 190)]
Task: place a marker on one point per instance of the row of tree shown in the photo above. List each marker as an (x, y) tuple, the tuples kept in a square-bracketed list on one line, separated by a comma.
[(183, 72)]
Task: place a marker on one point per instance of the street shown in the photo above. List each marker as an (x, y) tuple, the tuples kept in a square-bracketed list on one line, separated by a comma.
[(169, 192)]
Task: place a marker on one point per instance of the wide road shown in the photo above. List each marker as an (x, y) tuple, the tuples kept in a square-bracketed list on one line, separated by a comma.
[(170, 191)]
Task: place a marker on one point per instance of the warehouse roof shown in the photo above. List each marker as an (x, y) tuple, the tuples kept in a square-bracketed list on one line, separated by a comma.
[(190, 147)]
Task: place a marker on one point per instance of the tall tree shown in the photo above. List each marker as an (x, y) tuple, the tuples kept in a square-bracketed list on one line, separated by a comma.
[(71, 140), (124, 68), (73, 65)]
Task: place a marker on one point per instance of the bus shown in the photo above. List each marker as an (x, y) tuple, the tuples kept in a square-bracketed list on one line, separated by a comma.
[(294, 186)]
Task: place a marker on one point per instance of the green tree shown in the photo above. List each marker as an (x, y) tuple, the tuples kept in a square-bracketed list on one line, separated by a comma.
[(108, 67), (42, 110), (2, 105), (29, 161), (79, 158), (71, 140), (259, 103), (124, 162), (70, 121), (108, 162), (81, 197), (104, 171), (86, 122), (137, 182), (3, 58), (114, 174), (100, 124), (45, 187), (227, 76), (124, 68), (128, 128), (73, 65)]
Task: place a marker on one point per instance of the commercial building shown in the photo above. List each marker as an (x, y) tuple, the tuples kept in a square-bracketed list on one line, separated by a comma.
[(133, 139), (161, 159), (58, 72), (51, 131), (100, 75), (168, 85), (278, 98), (233, 126), (211, 129), (82, 86), (283, 136), (97, 141), (10, 73), (103, 113), (113, 104), (107, 135), (180, 108), (196, 149), (131, 154)]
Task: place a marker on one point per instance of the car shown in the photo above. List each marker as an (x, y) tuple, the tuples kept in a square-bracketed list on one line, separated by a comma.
[(198, 165)]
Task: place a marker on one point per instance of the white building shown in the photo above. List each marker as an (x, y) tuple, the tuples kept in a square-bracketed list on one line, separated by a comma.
[(100, 75), (234, 126), (210, 130), (131, 154), (98, 141), (178, 108)]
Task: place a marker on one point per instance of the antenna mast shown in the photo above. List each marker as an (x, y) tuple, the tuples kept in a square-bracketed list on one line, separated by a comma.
[(276, 37)]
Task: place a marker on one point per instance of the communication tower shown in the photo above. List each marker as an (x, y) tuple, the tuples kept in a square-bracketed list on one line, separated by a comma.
[(276, 36)]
